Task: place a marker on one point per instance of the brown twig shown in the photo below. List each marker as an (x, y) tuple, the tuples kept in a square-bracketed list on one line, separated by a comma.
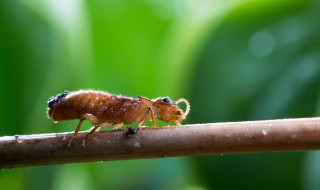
[(186, 140)]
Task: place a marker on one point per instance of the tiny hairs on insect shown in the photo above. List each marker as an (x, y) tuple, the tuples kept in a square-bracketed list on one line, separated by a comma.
[(106, 110)]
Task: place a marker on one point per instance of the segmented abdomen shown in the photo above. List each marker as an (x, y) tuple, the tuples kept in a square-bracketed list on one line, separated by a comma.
[(73, 105), (105, 107)]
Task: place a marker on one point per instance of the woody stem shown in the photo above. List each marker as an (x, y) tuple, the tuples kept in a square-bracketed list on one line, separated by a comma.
[(155, 142)]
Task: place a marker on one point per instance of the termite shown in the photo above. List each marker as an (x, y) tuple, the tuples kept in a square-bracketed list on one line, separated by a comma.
[(105, 110)]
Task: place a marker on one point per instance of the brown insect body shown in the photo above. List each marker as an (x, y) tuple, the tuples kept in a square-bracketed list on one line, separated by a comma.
[(104, 109)]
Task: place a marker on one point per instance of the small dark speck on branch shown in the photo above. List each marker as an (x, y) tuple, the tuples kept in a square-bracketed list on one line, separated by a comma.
[(159, 142)]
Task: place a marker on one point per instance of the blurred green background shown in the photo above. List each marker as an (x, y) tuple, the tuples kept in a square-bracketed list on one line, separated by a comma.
[(233, 60)]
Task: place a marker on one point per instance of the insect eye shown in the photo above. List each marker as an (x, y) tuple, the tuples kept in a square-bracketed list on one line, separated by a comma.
[(166, 100)]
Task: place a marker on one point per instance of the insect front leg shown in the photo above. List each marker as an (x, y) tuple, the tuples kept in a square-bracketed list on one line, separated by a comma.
[(93, 119), (98, 125)]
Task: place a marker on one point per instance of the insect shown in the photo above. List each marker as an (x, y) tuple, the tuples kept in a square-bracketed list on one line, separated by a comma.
[(105, 110)]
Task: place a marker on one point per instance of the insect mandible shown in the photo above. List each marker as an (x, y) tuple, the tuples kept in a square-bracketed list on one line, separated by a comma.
[(105, 110)]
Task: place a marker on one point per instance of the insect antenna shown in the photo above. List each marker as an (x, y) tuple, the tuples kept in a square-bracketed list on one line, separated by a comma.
[(187, 105)]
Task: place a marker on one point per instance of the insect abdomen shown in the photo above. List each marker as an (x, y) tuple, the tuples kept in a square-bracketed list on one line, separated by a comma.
[(73, 105), (53, 101)]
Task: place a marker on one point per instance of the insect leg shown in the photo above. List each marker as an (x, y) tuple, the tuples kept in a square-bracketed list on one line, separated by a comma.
[(153, 116), (93, 119), (76, 131), (140, 124), (99, 125), (118, 125)]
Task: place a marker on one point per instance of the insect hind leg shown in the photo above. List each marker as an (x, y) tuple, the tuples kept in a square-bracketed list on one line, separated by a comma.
[(93, 119), (97, 126)]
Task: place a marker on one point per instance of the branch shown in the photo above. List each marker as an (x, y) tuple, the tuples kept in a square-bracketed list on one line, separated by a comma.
[(186, 140)]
